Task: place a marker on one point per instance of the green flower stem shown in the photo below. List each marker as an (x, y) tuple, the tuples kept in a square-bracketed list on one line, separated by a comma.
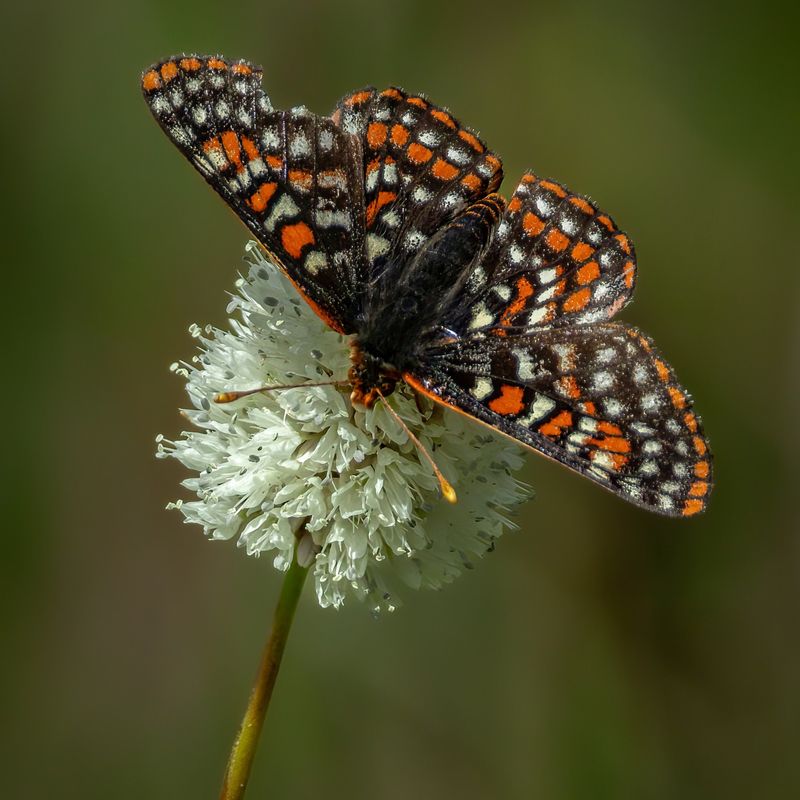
[(244, 747)]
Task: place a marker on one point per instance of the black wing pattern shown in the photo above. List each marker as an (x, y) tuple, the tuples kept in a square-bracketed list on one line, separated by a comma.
[(291, 176)]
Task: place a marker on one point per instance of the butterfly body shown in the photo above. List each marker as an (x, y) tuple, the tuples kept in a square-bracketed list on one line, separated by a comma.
[(386, 218)]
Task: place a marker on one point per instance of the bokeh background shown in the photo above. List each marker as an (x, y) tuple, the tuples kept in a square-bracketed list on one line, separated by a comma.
[(600, 652)]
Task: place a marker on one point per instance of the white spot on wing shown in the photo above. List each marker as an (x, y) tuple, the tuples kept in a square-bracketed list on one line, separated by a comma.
[(299, 145), (481, 316), (542, 405), (285, 207), (376, 246), (603, 380), (482, 389), (315, 261)]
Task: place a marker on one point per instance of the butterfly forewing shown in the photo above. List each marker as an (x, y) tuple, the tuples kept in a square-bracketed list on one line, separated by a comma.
[(556, 260), (291, 176), (421, 168)]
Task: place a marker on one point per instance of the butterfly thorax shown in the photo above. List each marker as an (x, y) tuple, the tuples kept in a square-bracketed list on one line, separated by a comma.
[(370, 376), (408, 299)]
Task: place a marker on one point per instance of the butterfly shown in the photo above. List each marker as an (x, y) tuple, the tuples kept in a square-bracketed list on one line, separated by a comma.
[(386, 218)]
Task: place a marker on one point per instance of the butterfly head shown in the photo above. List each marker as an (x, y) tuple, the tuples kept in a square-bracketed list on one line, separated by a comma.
[(370, 377)]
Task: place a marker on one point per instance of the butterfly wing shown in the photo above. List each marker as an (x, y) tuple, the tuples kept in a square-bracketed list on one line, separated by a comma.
[(556, 260), (598, 398), (421, 169), (292, 177)]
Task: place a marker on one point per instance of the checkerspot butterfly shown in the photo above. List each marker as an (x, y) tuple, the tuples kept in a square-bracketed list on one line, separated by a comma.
[(386, 218)]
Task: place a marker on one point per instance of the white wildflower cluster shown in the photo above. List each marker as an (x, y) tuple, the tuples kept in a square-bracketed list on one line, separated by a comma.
[(275, 465)]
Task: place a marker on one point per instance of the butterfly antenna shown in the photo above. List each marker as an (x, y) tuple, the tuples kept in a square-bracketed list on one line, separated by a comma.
[(229, 397), (448, 492)]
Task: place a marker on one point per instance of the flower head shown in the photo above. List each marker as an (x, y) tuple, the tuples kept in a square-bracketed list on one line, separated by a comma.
[(275, 465)]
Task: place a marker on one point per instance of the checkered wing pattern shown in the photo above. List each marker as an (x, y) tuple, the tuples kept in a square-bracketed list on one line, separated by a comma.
[(421, 169), (291, 176), (556, 260), (598, 398)]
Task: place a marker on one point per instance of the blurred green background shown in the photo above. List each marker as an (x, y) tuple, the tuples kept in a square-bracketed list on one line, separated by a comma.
[(600, 652)]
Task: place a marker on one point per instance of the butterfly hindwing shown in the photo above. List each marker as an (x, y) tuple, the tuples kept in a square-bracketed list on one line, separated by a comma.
[(556, 260), (421, 168), (597, 398), (291, 176)]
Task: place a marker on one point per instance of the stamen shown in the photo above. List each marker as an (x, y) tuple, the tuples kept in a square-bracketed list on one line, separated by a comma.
[(229, 397), (448, 492)]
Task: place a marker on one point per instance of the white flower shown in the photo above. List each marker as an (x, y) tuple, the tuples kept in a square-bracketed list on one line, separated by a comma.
[(272, 463)]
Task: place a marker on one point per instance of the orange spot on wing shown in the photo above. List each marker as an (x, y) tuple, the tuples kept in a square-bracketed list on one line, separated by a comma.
[(295, 237), (392, 93), (276, 162), (577, 300), (582, 251), (471, 140), (444, 117), (692, 506), (358, 97), (509, 402), (557, 240), (569, 386), (529, 177), (241, 69), (417, 101), (300, 178), (377, 204), (418, 153), (609, 428), (443, 170), (554, 427), (399, 135), (169, 71), (701, 469), (628, 271), (623, 242), (580, 203), (230, 141), (606, 221), (151, 81), (677, 396), (554, 187), (216, 63), (691, 421), (472, 182), (587, 273), (589, 408), (699, 446), (515, 204), (611, 444), (250, 148), (531, 224), (190, 64), (376, 134), (524, 291), (260, 199), (698, 489)]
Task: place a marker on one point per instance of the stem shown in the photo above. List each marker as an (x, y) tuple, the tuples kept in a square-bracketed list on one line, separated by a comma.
[(240, 760)]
